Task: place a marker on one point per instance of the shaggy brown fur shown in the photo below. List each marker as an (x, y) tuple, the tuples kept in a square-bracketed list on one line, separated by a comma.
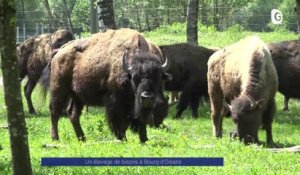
[(90, 72), (188, 68), (244, 75), (286, 58), (34, 54)]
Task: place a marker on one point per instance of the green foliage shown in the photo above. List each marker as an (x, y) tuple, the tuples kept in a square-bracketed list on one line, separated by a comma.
[(81, 15), (186, 137), (147, 15), (289, 17)]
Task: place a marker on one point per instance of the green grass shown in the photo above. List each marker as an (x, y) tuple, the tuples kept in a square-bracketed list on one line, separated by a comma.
[(186, 137), (209, 37)]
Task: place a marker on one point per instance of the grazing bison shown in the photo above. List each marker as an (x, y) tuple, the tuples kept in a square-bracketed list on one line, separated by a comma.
[(34, 55), (244, 75), (117, 69), (286, 58), (188, 68)]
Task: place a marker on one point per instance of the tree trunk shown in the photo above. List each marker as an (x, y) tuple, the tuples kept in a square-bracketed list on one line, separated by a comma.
[(168, 17), (122, 20), (107, 13), (298, 15), (192, 20), (53, 24), (203, 11), (66, 9), (138, 19), (147, 20), (93, 17), (12, 91), (216, 14), (23, 9)]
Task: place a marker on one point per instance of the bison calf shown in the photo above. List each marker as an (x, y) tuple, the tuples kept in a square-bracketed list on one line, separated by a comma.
[(243, 74)]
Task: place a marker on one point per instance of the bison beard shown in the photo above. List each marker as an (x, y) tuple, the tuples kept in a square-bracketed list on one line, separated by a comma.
[(128, 84)]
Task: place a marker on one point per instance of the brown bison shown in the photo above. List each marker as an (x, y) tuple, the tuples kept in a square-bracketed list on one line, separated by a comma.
[(117, 69), (244, 75), (286, 58), (188, 68), (34, 55)]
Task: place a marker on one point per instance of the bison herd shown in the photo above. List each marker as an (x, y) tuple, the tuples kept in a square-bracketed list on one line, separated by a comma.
[(127, 74)]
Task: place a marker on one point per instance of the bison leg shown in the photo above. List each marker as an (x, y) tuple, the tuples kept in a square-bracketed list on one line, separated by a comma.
[(194, 104), (268, 116), (216, 105), (140, 127), (54, 123), (118, 118), (182, 103), (58, 102), (77, 107), (143, 132), (286, 103), (31, 83)]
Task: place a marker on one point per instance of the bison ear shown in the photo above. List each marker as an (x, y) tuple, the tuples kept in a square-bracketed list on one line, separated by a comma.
[(167, 76)]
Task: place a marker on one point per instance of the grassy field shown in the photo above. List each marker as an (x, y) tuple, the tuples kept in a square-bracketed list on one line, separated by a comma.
[(186, 137)]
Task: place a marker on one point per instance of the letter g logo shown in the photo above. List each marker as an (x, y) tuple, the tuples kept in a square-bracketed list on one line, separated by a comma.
[(276, 16)]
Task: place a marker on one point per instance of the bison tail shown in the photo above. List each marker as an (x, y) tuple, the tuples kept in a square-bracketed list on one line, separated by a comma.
[(44, 81)]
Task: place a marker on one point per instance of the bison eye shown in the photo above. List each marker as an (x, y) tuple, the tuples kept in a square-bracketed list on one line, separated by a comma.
[(136, 80), (167, 76)]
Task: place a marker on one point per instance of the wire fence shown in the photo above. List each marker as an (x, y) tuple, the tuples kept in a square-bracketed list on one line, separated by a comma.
[(146, 18)]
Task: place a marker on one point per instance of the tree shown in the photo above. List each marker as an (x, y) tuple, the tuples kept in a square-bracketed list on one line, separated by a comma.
[(298, 15), (107, 13), (13, 100), (81, 16), (93, 17), (67, 12), (192, 20), (52, 22)]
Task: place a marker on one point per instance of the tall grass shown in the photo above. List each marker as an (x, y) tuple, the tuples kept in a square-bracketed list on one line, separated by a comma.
[(186, 137)]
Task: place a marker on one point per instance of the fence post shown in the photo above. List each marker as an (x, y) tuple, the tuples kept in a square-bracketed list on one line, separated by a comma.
[(17, 34), (24, 32), (36, 29), (42, 28)]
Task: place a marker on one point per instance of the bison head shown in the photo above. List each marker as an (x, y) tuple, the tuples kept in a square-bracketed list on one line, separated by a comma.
[(146, 75), (246, 113), (59, 38)]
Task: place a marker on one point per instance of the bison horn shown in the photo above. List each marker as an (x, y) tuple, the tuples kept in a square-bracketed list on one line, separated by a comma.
[(254, 103), (166, 64), (228, 106), (124, 62)]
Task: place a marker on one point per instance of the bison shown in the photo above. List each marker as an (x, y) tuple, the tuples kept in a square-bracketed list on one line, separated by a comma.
[(117, 69), (188, 68), (286, 58), (243, 74), (34, 54)]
